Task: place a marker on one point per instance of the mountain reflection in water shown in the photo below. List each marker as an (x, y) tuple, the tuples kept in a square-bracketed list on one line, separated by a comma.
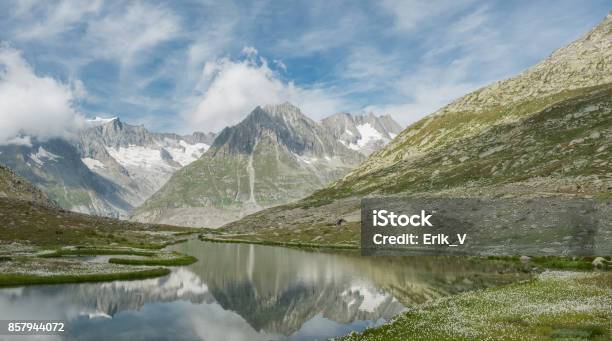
[(252, 292)]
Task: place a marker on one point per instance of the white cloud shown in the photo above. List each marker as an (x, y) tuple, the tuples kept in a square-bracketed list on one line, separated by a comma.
[(32, 105), (232, 89), (409, 14), (323, 37), (56, 18), (124, 33), (249, 51), (477, 57)]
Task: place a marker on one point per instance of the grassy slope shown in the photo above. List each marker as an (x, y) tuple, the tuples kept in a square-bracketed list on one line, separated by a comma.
[(175, 259), (538, 138), (27, 228), (13, 186), (27, 223), (568, 305)]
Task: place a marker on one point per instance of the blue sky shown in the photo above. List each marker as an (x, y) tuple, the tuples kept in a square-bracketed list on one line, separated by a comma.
[(202, 65)]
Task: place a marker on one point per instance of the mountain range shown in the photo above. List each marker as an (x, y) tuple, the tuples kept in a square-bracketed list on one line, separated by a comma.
[(108, 169), (545, 132), (112, 167), (135, 159), (274, 156)]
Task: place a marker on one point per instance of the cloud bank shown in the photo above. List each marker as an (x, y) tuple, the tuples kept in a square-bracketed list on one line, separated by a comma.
[(230, 90), (32, 105)]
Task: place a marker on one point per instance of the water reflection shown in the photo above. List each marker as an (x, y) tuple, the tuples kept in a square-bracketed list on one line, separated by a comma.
[(249, 292)]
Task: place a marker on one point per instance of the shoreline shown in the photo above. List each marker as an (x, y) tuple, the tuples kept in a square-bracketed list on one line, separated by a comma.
[(62, 266)]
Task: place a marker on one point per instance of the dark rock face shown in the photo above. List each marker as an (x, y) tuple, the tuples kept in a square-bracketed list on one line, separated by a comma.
[(288, 126)]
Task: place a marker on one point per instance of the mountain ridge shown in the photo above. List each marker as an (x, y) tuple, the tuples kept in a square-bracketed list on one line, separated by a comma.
[(275, 155)]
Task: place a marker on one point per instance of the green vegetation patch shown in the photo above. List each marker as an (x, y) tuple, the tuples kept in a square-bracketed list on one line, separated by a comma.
[(174, 259), (17, 279), (35, 270), (31, 224), (557, 304)]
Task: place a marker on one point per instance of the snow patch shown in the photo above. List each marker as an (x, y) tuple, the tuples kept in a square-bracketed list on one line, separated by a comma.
[(368, 133), (138, 156), (92, 163), (372, 298), (43, 155), (101, 120), (186, 153), (305, 159)]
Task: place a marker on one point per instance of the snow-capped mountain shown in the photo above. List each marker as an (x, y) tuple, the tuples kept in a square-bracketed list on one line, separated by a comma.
[(363, 133), (55, 166), (110, 168), (274, 156), (137, 160)]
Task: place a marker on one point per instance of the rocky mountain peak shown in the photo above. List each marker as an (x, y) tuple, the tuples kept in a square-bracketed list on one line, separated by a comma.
[(364, 133), (275, 155), (282, 109), (285, 125)]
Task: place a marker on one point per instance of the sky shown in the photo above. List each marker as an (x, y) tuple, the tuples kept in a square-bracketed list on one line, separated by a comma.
[(184, 66)]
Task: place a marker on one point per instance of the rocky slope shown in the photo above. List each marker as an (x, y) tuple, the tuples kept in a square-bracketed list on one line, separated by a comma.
[(363, 133), (546, 131), (274, 156), (12, 186), (56, 168)]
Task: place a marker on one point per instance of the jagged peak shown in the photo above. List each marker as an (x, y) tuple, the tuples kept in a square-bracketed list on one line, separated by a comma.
[(338, 116), (282, 109)]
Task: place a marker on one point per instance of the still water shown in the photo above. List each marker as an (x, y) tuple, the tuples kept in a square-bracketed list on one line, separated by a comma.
[(251, 292)]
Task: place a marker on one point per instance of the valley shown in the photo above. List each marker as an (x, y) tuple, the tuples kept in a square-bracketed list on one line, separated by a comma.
[(253, 232)]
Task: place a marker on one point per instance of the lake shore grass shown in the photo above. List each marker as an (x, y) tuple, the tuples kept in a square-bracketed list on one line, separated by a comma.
[(174, 260), (64, 266), (556, 304), (20, 279)]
